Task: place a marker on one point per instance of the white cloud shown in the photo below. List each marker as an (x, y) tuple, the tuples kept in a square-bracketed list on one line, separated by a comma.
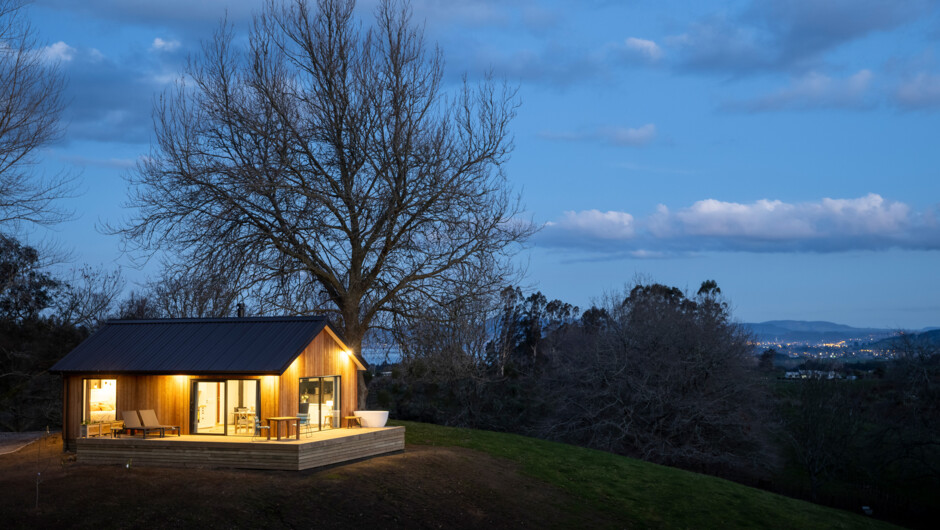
[(828, 225), (614, 135), (629, 136), (635, 49), (58, 52), (596, 224), (922, 90), (646, 47), (777, 220), (164, 45), (811, 91)]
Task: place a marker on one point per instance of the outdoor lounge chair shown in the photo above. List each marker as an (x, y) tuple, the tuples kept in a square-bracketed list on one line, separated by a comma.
[(132, 423), (149, 417)]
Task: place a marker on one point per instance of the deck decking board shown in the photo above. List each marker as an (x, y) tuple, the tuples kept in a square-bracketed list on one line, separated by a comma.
[(323, 449)]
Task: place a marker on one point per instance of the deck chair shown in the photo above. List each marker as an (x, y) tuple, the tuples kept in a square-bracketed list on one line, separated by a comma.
[(304, 425), (149, 418), (132, 423)]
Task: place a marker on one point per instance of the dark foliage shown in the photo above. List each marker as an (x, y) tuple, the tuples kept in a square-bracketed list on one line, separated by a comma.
[(24, 289), (31, 397), (654, 374)]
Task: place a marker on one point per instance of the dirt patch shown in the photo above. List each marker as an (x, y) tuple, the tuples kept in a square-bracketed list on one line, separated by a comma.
[(424, 487)]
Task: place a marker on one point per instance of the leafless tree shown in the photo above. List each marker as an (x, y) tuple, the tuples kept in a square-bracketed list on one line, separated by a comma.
[(330, 157), (180, 293), (89, 297), (30, 106)]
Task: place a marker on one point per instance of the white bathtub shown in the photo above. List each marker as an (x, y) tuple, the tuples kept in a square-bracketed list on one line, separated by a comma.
[(372, 418)]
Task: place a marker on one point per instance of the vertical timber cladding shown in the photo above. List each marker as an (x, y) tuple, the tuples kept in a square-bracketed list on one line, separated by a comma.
[(322, 357), (169, 395)]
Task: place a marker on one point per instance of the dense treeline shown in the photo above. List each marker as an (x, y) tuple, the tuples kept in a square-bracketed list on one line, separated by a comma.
[(667, 376), (31, 341)]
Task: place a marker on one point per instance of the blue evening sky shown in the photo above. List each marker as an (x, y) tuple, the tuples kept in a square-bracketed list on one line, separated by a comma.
[(785, 148)]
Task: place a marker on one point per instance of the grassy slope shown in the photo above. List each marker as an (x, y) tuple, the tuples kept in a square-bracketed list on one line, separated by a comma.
[(638, 493)]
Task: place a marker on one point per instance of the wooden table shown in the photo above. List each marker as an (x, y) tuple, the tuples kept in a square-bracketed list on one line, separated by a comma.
[(283, 420), (352, 419)]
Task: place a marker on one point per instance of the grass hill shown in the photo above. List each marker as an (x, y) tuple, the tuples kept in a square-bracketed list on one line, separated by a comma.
[(634, 493), (446, 478)]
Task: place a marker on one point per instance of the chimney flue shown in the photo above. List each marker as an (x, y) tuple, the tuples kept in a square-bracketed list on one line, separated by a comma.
[(240, 310)]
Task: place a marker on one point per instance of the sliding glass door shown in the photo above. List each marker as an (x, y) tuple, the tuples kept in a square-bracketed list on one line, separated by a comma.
[(225, 407), (320, 402)]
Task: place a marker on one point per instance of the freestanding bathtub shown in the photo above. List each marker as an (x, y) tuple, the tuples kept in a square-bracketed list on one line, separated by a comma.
[(372, 418)]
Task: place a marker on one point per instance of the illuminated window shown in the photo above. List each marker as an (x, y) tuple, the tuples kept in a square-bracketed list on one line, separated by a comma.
[(100, 400)]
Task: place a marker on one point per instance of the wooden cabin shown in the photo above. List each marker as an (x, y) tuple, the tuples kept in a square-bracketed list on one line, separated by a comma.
[(211, 376)]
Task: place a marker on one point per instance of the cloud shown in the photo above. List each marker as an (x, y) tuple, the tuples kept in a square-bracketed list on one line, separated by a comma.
[(812, 91), (919, 91), (629, 136), (111, 98), (588, 228), (176, 13), (633, 50), (554, 63), (719, 44), (783, 34), (164, 45), (58, 52), (613, 135), (110, 163), (828, 225)]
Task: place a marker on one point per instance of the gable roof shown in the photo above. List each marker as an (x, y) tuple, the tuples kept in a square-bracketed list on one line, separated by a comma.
[(253, 345)]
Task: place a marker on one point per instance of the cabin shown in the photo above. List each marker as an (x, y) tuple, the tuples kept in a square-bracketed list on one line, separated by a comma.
[(216, 378)]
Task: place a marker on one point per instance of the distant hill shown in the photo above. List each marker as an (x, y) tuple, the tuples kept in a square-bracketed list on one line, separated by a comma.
[(928, 338), (813, 331)]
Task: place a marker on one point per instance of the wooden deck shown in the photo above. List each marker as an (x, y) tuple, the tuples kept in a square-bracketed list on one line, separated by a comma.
[(321, 449)]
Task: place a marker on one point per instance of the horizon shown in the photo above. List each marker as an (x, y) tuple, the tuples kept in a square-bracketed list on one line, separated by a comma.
[(782, 149)]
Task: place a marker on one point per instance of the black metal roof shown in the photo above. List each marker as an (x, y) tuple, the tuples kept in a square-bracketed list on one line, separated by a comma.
[(253, 345)]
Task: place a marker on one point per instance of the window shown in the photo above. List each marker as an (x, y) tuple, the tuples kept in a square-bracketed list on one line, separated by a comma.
[(100, 400)]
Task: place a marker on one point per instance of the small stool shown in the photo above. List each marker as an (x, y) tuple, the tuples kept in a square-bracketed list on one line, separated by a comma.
[(351, 419)]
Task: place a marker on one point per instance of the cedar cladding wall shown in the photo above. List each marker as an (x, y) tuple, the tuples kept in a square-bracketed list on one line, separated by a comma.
[(169, 395)]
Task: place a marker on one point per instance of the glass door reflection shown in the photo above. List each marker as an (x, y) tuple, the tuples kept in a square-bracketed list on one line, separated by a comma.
[(319, 402)]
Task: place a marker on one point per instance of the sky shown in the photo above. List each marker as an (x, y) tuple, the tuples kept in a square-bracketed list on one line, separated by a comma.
[(787, 149)]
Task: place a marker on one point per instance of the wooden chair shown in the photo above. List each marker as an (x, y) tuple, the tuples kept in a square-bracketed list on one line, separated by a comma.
[(243, 420)]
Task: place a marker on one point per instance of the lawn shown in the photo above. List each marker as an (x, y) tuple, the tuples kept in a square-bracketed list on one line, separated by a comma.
[(640, 493), (445, 478)]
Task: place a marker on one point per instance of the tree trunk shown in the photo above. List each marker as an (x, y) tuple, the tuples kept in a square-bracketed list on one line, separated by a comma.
[(353, 334)]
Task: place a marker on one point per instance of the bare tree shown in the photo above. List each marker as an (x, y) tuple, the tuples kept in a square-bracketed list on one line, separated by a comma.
[(89, 297), (30, 106), (180, 293), (325, 157)]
